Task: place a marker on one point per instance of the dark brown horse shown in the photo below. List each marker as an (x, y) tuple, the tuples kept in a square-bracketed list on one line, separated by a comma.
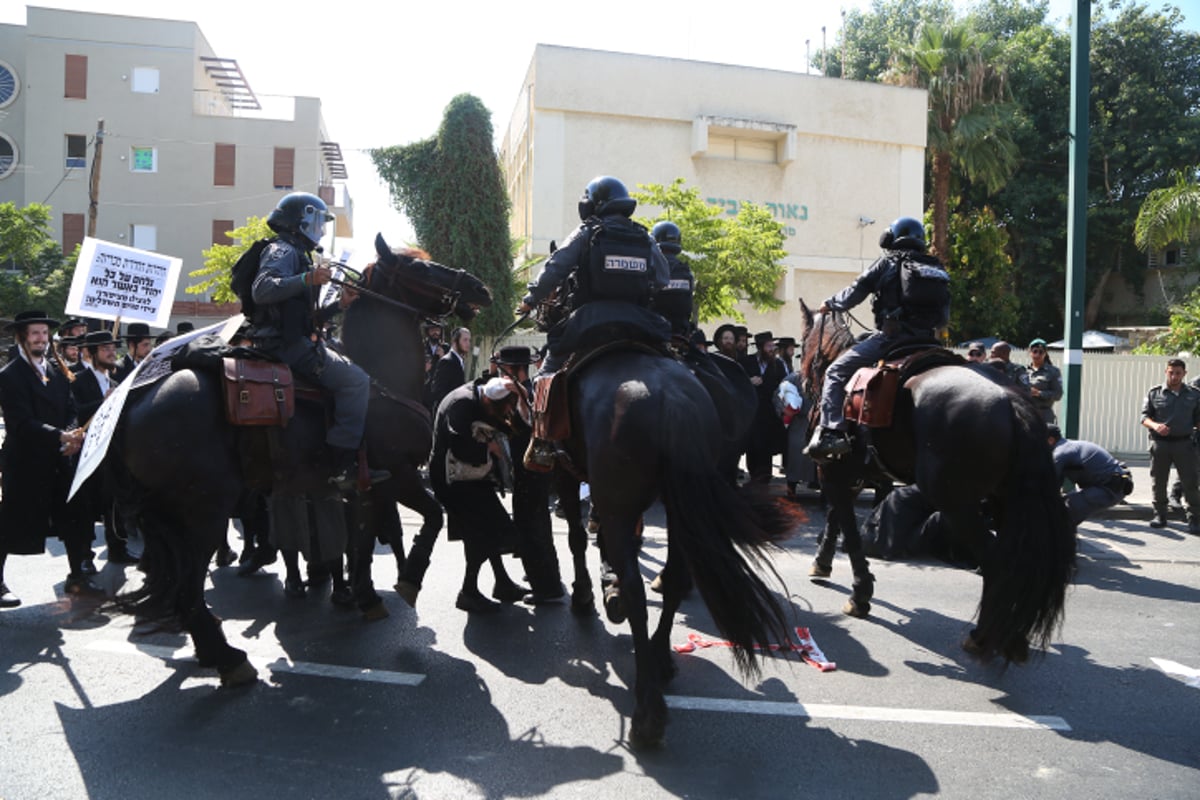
[(178, 469), (976, 448), (645, 429)]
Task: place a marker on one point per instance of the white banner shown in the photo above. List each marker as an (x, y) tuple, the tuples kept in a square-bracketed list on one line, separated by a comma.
[(104, 421), (113, 281)]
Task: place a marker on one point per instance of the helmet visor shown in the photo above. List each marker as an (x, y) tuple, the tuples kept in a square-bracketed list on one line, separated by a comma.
[(312, 223)]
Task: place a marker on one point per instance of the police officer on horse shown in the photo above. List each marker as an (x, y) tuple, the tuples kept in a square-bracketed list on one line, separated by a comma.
[(912, 300), (284, 325), (609, 257)]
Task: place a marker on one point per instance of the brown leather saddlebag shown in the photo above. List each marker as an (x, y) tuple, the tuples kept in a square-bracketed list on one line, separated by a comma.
[(871, 396), (551, 409), (258, 392)]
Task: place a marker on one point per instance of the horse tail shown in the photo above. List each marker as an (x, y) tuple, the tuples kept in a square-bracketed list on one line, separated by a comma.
[(724, 535), (1033, 558)]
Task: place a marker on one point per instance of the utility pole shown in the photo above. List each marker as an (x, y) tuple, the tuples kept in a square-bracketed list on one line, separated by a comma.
[(94, 183), (1076, 299)]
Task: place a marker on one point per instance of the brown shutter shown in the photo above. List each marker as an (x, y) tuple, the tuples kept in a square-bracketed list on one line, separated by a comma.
[(224, 164), (220, 228), (72, 225), (285, 167), (326, 193), (76, 77)]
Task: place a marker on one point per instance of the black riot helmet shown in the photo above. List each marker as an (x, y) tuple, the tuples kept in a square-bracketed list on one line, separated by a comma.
[(907, 234), (667, 235), (605, 195), (303, 214)]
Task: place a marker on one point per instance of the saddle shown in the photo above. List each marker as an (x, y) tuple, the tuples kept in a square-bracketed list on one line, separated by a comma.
[(871, 392)]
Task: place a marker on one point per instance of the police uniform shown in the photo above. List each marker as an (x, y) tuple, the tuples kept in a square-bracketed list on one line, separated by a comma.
[(1100, 478), (624, 264), (895, 321), (674, 301), (1179, 411), (283, 326)]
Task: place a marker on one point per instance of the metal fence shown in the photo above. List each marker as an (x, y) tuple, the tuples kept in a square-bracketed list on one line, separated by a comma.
[(1114, 386)]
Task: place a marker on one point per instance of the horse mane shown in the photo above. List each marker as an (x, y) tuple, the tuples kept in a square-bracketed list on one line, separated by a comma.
[(827, 337)]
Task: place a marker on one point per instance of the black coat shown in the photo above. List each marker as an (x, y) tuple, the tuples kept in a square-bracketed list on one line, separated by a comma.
[(37, 476), (448, 375), (85, 390), (124, 367), (767, 433)]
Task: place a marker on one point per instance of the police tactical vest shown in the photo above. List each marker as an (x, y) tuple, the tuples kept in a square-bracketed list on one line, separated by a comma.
[(619, 263)]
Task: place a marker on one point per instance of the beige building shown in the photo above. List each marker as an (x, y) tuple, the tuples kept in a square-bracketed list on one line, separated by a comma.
[(189, 150), (835, 161)]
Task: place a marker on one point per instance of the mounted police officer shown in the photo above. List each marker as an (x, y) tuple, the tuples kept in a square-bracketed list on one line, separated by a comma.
[(615, 267), (912, 300), (284, 293), (674, 301)]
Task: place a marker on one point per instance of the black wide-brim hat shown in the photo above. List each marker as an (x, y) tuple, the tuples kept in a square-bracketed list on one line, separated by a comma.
[(136, 331), (97, 338), (31, 318), (515, 356)]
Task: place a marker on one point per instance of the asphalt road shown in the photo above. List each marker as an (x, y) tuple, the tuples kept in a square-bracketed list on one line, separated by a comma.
[(535, 702)]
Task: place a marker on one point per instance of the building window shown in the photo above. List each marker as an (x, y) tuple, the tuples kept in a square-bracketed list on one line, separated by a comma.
[(72, 232), (220, 229), (143, 159), (76, 151), (10, 85), (285, 167), (144, 80), (224, 164), (144, 237), (762, 151), (76, 77), (9, 155)]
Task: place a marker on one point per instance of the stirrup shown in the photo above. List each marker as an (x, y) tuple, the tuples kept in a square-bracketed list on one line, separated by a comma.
[(540, 456), (828, 443)]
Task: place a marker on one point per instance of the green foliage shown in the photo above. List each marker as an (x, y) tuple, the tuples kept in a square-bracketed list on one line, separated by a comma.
[(220, 258), (1170, 214), (1183, 334), (869, 38), (733, 258), (969, 111), (982, 277), (452, 189), (36, 274)]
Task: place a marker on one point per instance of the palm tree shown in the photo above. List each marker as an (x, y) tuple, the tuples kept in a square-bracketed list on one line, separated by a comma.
[(968, 111), (1171, 214)]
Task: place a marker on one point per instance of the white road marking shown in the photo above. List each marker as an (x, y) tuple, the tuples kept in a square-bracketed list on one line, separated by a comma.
[(923, 716), (280, 664), (1190, 675)]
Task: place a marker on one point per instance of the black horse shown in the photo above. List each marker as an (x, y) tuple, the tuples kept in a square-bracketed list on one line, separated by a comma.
[(178, 467), (644, 428), (976, 448)]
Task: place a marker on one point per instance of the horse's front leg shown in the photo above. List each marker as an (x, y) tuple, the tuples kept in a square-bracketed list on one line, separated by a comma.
[(212, 648), (360, 550), (619, 535), (411, 493)]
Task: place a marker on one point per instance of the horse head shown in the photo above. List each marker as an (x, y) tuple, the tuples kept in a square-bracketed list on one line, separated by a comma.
[(823, 338), (409, 276)]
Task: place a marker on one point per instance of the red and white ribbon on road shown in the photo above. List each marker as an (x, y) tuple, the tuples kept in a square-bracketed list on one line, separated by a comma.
[(806, 647)]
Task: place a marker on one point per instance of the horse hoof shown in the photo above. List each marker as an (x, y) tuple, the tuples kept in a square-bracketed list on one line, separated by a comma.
[(1017, 652), (241, 675), (614, 607), (972, 647), (375, 613), (647, 734), (856, 609), (818, 570), (408, 592), (656, 585)]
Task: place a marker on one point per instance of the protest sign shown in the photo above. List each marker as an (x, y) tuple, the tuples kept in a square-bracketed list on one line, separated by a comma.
[(113, 281), (158, 363)]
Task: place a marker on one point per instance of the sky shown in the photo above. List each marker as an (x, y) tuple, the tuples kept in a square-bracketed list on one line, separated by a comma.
[(384, 77)]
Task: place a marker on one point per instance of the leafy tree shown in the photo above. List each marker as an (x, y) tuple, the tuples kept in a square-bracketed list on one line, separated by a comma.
[(36, 273), (452, 188), (968, 111), (220, 258), (869, 38), (983, 302), (1170, 214), (733, 258)]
